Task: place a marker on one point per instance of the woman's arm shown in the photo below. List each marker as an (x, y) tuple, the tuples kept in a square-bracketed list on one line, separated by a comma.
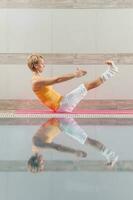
[(50, 81), (39, 143)]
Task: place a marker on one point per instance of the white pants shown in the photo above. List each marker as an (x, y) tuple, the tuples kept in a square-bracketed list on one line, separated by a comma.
[(70, 100), (70, 127)]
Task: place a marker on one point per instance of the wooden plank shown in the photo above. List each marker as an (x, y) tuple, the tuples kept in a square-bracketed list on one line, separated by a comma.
[(68, 165), (69, 59), (80, 121), (12, 105), (66, 4)]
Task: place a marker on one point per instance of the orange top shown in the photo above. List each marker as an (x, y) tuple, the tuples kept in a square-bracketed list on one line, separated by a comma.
[(47, 132), (50, 130), (49, 97)]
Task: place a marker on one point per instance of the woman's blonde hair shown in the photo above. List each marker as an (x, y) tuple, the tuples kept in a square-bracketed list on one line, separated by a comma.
[(33, 60)]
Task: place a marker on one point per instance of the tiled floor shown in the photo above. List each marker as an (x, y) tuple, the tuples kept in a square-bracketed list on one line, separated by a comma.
[(16, 142), (67, 174)]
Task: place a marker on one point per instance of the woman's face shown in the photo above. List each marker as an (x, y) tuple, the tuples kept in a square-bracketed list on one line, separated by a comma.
[(40, 66)]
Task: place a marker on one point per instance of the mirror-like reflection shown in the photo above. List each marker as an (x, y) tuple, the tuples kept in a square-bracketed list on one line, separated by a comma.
[(46, 134)]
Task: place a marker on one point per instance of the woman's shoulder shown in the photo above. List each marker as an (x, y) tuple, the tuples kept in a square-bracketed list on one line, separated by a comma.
[(38, 83)]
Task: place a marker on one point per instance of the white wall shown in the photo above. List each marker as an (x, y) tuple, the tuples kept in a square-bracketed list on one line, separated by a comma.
[(16, 142), (70, 185), (65, 31), (15, 82)]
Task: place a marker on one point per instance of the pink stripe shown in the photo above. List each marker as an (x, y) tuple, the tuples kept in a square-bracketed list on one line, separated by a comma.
[(22, 111)]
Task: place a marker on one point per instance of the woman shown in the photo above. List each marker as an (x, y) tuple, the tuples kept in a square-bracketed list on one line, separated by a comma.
[(42, 86)]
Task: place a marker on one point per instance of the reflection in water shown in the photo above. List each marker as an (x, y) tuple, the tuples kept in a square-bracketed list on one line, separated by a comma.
[(46, 134)]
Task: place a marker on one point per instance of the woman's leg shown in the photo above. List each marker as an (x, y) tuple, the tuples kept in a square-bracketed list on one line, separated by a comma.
[(71, 100), (108, 154), (93, 84), (109, 73)]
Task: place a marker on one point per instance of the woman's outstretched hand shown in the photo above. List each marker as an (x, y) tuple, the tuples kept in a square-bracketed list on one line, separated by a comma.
[(80, 72), (81, 154)]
